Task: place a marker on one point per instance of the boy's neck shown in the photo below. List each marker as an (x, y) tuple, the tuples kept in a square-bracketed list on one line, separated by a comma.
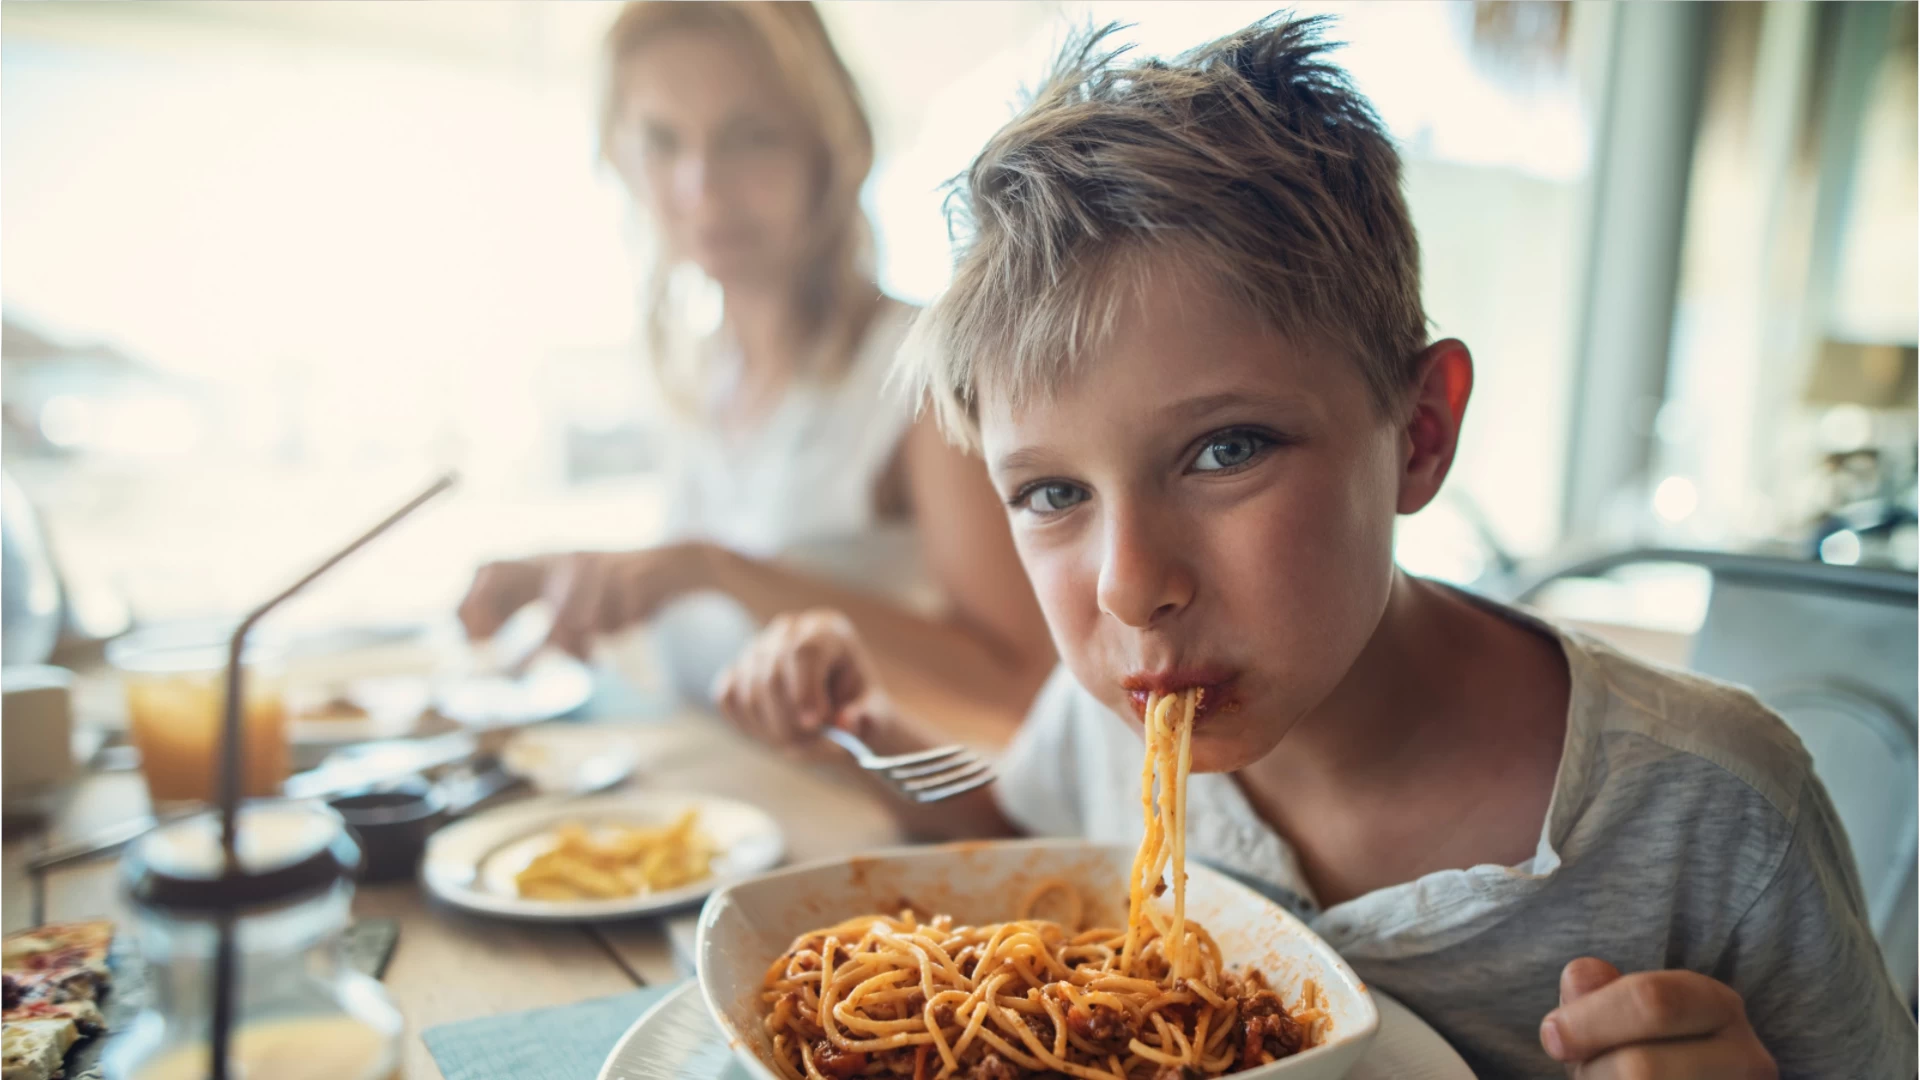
[(1451, 723)]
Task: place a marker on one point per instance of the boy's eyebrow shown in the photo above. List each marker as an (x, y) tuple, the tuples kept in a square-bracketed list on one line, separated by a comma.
[(1025, 457), (1207, 404)]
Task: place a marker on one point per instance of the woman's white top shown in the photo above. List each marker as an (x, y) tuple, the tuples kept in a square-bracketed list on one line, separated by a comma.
[(798, 487)]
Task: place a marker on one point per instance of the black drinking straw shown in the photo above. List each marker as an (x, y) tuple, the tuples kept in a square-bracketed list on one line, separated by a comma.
[(230, 757)]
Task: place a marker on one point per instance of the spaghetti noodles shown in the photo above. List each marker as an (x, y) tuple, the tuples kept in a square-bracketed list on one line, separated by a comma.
[(904, 996)]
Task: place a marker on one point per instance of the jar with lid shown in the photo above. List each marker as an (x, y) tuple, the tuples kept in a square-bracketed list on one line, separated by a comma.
[(299, 1010)]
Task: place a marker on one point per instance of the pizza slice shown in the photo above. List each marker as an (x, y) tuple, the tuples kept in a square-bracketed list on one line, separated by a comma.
[(59, 985), (52, 978), (35, 1049), (84, 1014), (58, 946)]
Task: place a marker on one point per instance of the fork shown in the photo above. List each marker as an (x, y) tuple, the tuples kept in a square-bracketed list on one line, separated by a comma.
[(926, 776)]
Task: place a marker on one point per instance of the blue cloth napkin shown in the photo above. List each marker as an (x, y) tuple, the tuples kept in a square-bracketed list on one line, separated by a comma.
[(565, 1042)]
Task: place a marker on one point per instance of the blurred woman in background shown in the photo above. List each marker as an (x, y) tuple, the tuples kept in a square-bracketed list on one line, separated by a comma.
[(802, 478)]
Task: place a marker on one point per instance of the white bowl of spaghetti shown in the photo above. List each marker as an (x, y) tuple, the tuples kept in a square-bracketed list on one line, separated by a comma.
[(1016, 960), (914, 920)]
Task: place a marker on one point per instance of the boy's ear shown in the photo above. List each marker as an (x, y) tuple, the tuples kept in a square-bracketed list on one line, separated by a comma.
[(1433, 421)]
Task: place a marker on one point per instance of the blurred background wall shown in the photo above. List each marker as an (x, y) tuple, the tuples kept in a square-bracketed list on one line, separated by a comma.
[(265, 266)]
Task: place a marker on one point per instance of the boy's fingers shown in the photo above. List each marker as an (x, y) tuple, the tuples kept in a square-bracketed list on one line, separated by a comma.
[(855, 720), (769, 701), (745, 693), (803, 678), (812, 658), (1584, 976), (858, 719), (726, 698), (1684, 1059), (799, 686), (1639, 1008)]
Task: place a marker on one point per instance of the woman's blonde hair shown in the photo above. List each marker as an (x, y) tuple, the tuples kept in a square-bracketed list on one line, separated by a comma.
[(834, 289)]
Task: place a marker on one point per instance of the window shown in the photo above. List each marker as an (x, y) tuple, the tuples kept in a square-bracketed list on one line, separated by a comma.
[(280, 262)]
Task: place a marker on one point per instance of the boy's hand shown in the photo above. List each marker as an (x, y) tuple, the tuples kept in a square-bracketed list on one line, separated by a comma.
[(1650, 1025), (810, 670), (802, 673)]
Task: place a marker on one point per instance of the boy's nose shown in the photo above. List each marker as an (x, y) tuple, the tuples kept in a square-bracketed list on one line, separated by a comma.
[(1143, 576)]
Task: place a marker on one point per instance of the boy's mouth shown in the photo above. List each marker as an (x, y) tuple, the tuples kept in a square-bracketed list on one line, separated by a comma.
[(1215, 686)]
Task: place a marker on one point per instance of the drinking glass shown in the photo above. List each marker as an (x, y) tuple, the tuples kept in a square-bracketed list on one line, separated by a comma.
[(175, 680)]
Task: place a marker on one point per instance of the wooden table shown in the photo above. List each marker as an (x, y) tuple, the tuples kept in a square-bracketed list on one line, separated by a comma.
[(451, 966)]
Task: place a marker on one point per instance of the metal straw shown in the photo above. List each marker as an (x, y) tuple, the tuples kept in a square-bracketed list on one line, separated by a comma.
[(230, 759)]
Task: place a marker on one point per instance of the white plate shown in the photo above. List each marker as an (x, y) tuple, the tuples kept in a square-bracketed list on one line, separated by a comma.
[(570, 758), (397, 706), (471, 863), (397, 680), (390, 705), (552, 686), (745, 926), (677, 1040)]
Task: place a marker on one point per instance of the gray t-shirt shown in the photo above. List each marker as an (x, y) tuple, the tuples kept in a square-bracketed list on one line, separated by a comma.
[(1686, 830)]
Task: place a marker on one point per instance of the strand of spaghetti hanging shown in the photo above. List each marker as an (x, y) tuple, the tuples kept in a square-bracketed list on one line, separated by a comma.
[(231, 747), (1163, 809), (1182, 954)]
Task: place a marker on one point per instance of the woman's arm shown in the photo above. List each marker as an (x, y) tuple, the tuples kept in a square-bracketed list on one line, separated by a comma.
[(974, 667)]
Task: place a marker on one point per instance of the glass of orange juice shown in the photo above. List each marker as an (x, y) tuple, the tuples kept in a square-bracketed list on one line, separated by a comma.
[(176, 686)]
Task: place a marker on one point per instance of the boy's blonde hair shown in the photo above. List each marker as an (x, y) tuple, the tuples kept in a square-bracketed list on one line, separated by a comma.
[(1250, 159)]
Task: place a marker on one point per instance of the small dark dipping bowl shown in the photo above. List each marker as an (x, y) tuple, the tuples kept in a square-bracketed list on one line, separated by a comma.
[(393, 822)]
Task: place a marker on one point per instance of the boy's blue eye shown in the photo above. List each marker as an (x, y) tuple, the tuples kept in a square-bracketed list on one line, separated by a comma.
[(1050, 498), (1230, 449)]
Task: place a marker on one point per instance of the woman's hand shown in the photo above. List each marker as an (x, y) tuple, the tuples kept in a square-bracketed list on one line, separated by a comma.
[(1651, 1024), (803, 673), (592, 593)]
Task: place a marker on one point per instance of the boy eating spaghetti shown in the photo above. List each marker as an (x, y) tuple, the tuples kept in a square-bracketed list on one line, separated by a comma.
[(1186, 334)]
